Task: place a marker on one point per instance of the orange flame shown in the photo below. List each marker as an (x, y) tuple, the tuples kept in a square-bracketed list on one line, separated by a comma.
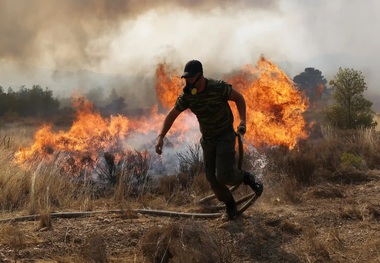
[(89, 133), (274, 105), (168, 85)]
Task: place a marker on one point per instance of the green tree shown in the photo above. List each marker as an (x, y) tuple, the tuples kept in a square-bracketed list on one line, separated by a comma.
[(36, 102), (350, 110), (312, 82)]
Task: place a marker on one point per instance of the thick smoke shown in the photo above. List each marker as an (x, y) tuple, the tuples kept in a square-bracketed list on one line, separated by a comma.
[(73, 34), (69, 46)]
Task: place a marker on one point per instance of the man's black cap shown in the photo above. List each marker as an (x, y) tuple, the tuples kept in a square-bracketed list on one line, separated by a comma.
[(192, 68)]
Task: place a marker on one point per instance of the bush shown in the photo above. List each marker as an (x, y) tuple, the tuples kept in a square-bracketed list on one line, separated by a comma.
[(300, 167), (191, 160), (350, 161)]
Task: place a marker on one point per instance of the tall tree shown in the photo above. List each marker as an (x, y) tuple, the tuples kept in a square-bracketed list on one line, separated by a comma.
[(350, 110), (313, 83)]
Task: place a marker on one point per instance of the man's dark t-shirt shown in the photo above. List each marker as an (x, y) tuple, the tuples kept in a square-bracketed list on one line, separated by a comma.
[(210, 106)]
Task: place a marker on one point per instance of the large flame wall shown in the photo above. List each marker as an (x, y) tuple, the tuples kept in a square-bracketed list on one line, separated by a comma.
[(274, 117)]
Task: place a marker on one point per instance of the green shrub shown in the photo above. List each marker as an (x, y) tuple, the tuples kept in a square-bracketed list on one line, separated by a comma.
[(349, 160)]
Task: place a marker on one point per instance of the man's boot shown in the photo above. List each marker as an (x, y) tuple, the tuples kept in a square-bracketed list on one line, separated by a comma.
[(251, 180), (231, 209)]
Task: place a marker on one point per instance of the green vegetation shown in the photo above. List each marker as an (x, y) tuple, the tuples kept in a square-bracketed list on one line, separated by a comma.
[(350, 110), (350, 160)]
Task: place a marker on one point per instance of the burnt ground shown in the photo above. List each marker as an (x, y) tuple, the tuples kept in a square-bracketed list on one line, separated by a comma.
[(337, 221)]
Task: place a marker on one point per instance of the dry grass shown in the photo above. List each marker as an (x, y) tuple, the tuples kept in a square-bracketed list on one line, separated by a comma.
[(327, 191), (185, 242), (200, 185), (175, 189), (94, 249), (15, 238), (374, 211), (316, 207)]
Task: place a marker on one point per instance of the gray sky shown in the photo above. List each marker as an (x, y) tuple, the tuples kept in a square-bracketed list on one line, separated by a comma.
[(80, 44)]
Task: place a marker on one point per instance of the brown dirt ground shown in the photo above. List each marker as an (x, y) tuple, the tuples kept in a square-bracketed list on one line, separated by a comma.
[(330, 222)]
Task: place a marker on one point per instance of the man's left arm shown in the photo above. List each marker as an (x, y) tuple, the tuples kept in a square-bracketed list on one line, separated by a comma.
[(239, 100)]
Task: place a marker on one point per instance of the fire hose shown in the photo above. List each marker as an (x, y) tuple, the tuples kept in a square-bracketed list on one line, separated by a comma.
[(248, 199)]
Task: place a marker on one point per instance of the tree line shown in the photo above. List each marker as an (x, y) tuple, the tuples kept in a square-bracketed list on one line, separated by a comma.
[(29, 102), (40, 103)]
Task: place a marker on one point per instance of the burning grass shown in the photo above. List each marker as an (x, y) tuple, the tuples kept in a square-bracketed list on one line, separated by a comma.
[(310, 162)]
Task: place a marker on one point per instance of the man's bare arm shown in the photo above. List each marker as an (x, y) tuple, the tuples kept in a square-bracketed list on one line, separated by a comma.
[(168, 122), (239, 100)]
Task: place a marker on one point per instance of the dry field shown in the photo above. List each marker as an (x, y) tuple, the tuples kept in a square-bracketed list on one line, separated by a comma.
[(321, 203)]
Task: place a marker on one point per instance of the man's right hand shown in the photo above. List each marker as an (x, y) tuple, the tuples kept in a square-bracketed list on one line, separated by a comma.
[(169, 119), (159, 145)]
